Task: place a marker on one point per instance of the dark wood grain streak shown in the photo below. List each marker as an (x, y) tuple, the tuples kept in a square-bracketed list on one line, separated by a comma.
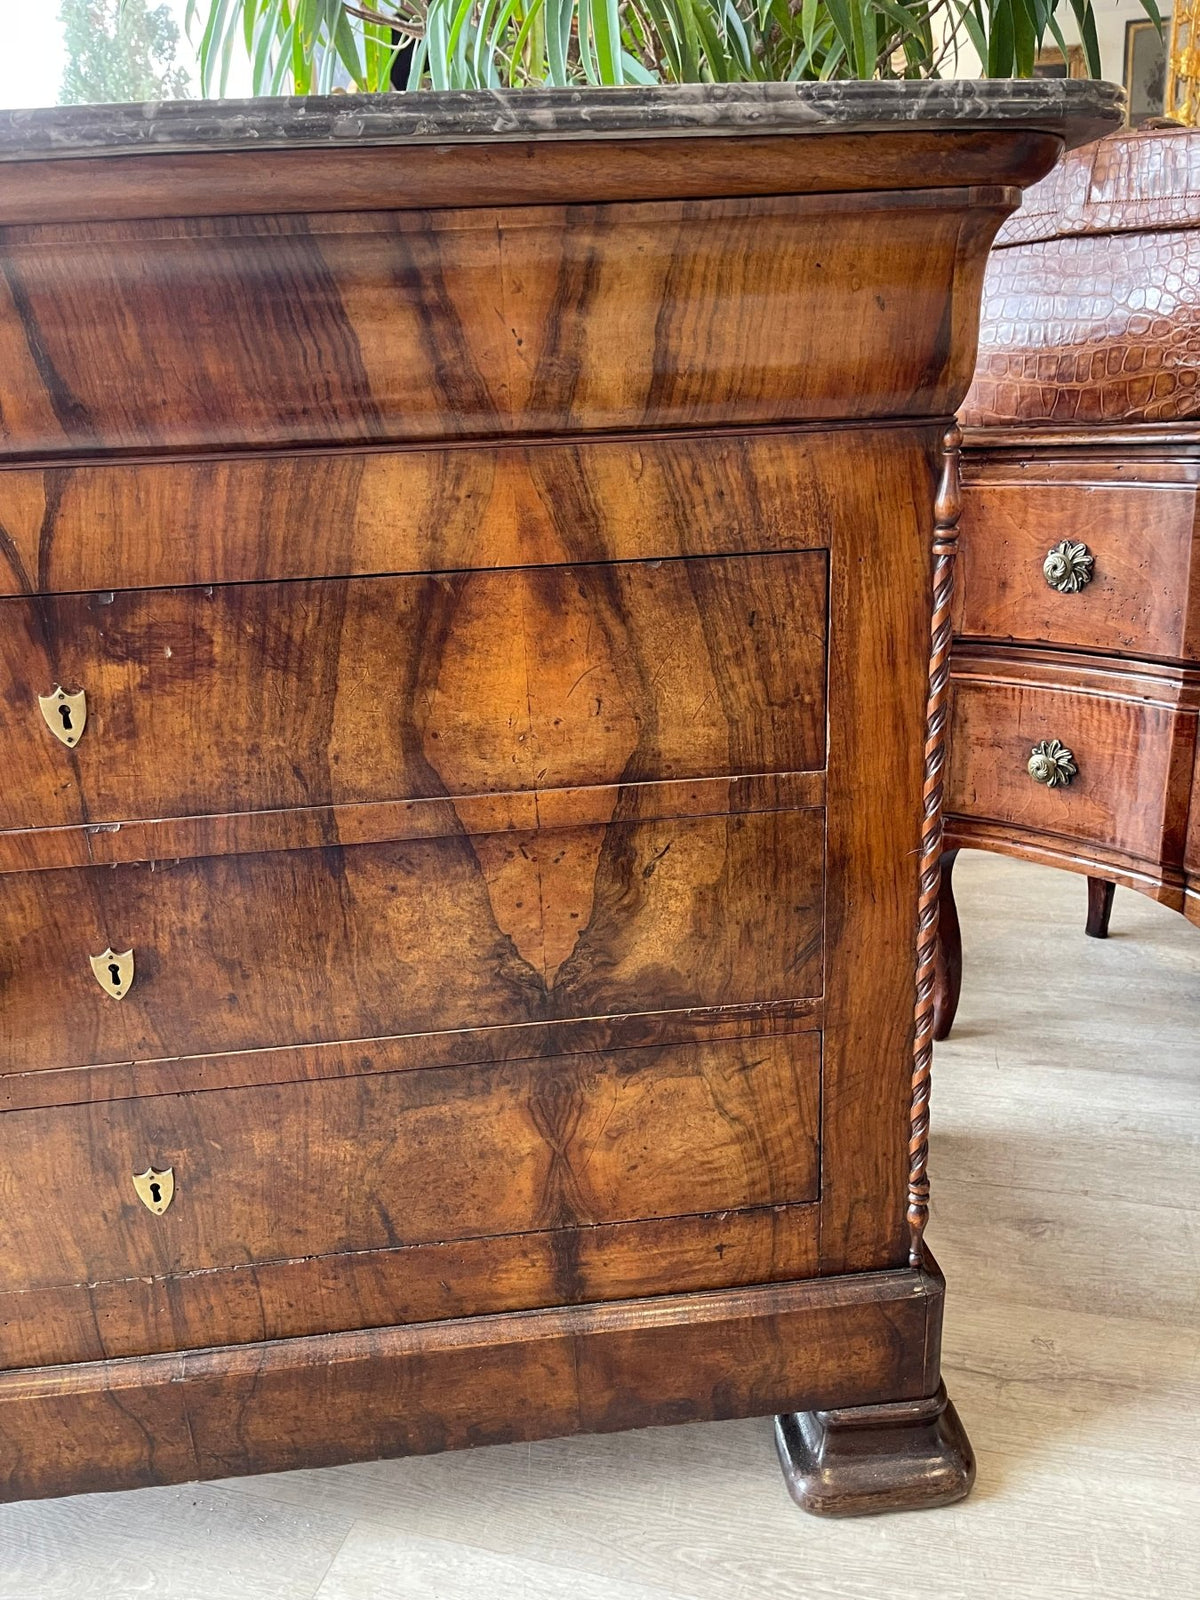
[(484, 1380), (240, 952), (352, 1058), (347, 513), (281, 181), (264, 697), (373, 327), (383, 821), (379, 1161), (411, 1283)]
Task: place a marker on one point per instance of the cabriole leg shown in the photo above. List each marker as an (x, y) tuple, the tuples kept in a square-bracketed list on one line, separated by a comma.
[(948, 980), (1100, 902)]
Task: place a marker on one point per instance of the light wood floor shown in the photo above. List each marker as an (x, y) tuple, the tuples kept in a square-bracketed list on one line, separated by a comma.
[(1066, 1170)]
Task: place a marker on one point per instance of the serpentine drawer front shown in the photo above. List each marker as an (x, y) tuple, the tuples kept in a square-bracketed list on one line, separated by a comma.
[(1092, 554), (474, 617), (1130, 738)]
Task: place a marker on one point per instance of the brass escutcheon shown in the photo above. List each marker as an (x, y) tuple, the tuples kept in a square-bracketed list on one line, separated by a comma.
[(155, 1189), (65, 714), (114, 973)]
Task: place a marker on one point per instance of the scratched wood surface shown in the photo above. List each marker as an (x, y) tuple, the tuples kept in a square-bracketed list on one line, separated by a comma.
[(386, 1160), (253, 1302), (273, 696), (242, 952), (596, 1368)]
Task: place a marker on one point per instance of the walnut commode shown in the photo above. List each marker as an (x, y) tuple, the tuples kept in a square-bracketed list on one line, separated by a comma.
[(473, 768)]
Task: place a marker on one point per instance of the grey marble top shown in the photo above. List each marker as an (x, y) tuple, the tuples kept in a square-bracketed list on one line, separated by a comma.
[(1082, 109)]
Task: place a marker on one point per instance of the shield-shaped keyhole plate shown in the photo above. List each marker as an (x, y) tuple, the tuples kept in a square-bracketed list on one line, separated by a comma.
[(65, 714), (114, 973), (155, 1189)]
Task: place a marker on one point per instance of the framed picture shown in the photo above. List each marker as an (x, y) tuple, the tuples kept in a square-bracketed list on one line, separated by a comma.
[(1145, 69), (1051, 63)]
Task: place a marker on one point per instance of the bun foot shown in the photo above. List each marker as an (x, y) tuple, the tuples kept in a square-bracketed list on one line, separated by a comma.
[(859, 1460)]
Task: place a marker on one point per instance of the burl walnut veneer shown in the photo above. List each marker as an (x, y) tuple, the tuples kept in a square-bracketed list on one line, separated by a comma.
[(1077, 616), (472, 761)]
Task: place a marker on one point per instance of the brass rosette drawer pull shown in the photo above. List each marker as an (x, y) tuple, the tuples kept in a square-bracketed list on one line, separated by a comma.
[(1069, 566), (1052, 764)]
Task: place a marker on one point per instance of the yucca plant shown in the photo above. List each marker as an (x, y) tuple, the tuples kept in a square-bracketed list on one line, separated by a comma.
[(309, 46)]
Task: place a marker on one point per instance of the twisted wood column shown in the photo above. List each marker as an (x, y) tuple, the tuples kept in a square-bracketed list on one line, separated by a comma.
[(947, 508)]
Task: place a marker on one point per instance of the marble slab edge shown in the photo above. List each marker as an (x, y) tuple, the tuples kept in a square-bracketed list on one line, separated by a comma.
[(1078, 109)]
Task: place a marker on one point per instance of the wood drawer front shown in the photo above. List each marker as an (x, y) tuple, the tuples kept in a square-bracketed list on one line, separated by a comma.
[(267, 696), (169, 524), (1133, 756), (481, 322), (373, 1163), (1144, 596), (249, 951)]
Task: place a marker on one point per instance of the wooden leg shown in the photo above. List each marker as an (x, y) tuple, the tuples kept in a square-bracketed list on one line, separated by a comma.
[(1100, 900), (866, 1459), (947, 983)]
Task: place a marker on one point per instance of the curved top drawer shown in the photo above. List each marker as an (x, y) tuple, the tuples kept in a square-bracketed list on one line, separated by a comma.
[(1136, 526), (387, 326)]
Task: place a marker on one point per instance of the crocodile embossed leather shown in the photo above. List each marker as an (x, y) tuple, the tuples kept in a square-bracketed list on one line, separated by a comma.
[(1091, 305)]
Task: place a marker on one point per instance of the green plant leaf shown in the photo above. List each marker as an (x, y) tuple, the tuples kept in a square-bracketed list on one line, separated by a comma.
[(1086, 20), (1001, 40), (1025, 38), (304, 46)]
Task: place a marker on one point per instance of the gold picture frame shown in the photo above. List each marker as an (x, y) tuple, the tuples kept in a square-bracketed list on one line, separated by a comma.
[(1051, 63)]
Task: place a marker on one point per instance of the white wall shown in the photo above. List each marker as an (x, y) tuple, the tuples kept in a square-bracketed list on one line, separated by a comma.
[(1111, 17), (31, 54)]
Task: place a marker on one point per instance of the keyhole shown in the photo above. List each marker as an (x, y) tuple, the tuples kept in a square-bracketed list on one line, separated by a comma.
[(156, 1193), (114, 974), (65, 713)]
